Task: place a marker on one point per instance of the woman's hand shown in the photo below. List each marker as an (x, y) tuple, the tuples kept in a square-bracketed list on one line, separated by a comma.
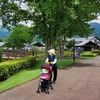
[(51, 62), (47, 62)]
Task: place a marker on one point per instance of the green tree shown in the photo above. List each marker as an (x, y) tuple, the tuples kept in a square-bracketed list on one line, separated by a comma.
[(53, 19), (70, 44), (19, 36)]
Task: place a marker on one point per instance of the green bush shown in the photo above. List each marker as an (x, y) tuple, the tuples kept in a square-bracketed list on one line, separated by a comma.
[(89, 54), (67, 53), (96, 51), (1, 51), (41, 52), (11, 67)]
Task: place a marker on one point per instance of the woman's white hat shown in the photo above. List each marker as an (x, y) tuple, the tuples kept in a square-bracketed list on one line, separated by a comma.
[(52, 51)]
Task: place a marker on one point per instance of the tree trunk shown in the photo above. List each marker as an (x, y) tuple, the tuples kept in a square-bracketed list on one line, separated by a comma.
[(59, 51), (62, 47), (46, 45), (52, 42)]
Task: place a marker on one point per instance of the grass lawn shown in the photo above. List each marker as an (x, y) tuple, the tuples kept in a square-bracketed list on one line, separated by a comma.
[(28, 74), (62, 63)]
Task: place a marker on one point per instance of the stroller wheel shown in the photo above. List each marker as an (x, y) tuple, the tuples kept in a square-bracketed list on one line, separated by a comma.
[(47, 91), (38, 91)]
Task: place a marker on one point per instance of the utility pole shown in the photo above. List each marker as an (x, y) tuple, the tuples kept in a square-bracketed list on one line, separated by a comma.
[(73, 49)]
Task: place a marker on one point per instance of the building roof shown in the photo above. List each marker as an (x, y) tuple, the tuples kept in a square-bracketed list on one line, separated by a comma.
[(38, 44), (83, 41)]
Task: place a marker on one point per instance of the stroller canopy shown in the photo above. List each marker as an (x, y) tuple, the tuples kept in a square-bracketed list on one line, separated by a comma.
[(46, 66)]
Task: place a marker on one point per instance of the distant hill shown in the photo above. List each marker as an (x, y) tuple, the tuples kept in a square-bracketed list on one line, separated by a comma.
[(4, 33), (97, 29)]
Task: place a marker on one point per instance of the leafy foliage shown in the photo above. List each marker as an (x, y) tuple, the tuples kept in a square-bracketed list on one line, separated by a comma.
[(70, 44), (19, 36), (52, 19)]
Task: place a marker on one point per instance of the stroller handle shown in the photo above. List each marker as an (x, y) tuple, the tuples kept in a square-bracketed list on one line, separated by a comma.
[(48, 63)]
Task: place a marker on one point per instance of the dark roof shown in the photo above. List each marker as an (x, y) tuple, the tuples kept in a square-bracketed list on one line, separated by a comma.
[(38, 44)]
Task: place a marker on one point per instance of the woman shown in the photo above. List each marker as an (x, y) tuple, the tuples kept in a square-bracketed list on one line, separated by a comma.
[(52, 59)]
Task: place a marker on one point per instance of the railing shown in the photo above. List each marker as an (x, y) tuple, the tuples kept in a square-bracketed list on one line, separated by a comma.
[(13, 54)]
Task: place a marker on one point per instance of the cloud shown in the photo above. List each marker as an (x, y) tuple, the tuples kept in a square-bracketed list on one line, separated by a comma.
[(28, 23)]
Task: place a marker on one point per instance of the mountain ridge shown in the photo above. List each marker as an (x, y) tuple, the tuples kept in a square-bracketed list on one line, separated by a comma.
[(4, 33)]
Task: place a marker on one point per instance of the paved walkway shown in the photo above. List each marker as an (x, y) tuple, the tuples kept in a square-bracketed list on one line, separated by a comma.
[(80, 81)]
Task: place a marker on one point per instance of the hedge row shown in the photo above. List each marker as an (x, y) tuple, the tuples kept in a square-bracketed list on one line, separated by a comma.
[(1, 55), (89, 54), (11, 67), (96, 51)]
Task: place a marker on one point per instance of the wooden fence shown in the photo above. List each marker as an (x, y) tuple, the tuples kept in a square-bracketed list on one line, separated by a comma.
[(13, 54)]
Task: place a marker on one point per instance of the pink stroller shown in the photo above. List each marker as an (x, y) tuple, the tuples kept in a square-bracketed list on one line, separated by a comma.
[(45, 79)]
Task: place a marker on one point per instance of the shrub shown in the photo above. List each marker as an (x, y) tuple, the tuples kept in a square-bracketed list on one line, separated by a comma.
[(89, 54), (67, 53), (11, 67), (1, 51), (96, 51), (41, 52)]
